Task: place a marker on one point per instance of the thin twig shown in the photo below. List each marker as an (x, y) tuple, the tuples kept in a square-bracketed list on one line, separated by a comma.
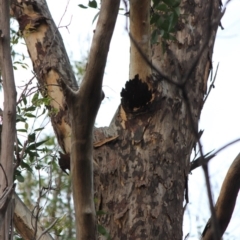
[(5, 175), (20, 156), (47, 229), (212, 85)]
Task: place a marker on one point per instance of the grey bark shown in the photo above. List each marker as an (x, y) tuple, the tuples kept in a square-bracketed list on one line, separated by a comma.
[(24, 222), (9, 122), (140, 174)]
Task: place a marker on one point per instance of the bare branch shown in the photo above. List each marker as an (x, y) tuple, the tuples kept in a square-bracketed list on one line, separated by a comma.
[(9, 112), (226, 200), (47, 229), (23, 222), (83, 107), (212, 85), (4, 202)]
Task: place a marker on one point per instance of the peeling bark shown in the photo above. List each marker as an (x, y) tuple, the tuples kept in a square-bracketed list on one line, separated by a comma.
[(141, 34), (24, 222), (50, 61), (141, 176), (83, 107), (140, 173)]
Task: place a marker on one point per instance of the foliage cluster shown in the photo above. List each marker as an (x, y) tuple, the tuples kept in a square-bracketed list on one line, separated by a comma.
[(164, 18)]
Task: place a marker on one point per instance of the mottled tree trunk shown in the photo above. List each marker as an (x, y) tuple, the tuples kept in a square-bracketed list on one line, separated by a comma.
[(143, 156), (141, 176)]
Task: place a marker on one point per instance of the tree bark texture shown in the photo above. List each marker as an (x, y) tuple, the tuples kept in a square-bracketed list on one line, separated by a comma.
[(83, 107), (143, 156), (9, 125), (141, 34), (141, 176), (25, 222), (50, 61)]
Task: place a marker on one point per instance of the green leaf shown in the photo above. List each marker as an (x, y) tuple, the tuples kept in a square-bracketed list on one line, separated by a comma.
[(92, 4), (34, 146), (24, 100), (155, 3), (20, 118), (154, 18), (26, 166), (39, 166), (103, 231), (177, 11), (29, 115), (172, 21), (168, 2), (38, 129), (26, 125), (31, 155), (162, 33), (154, 36), (95, 17), (35, 97), (21, 130), (19, 177), (100, 212), (82, 6), (163, 7), (31, 137), (30, 109), (176, 3)]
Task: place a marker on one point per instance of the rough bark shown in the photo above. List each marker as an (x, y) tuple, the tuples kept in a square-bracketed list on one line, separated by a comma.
[(52, 67), (141, 176), (140, 173), (9, 124)]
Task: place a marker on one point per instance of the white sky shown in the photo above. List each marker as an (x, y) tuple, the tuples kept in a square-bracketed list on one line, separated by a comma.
[(220, 117)]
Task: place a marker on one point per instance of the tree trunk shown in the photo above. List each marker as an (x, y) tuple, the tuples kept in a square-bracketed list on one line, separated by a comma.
[(143, 157), (8, 133), (141, 176)]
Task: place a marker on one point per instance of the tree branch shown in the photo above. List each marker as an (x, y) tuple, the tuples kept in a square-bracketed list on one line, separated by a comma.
[(9, 112), (83, 107), (226, 200), (23, 219), (140, 31)]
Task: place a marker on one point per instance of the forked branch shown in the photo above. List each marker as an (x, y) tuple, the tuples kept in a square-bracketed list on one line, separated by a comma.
[(83, 107)]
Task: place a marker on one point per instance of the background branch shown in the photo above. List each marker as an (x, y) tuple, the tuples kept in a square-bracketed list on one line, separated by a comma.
[(9, 113), (226, 200)]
